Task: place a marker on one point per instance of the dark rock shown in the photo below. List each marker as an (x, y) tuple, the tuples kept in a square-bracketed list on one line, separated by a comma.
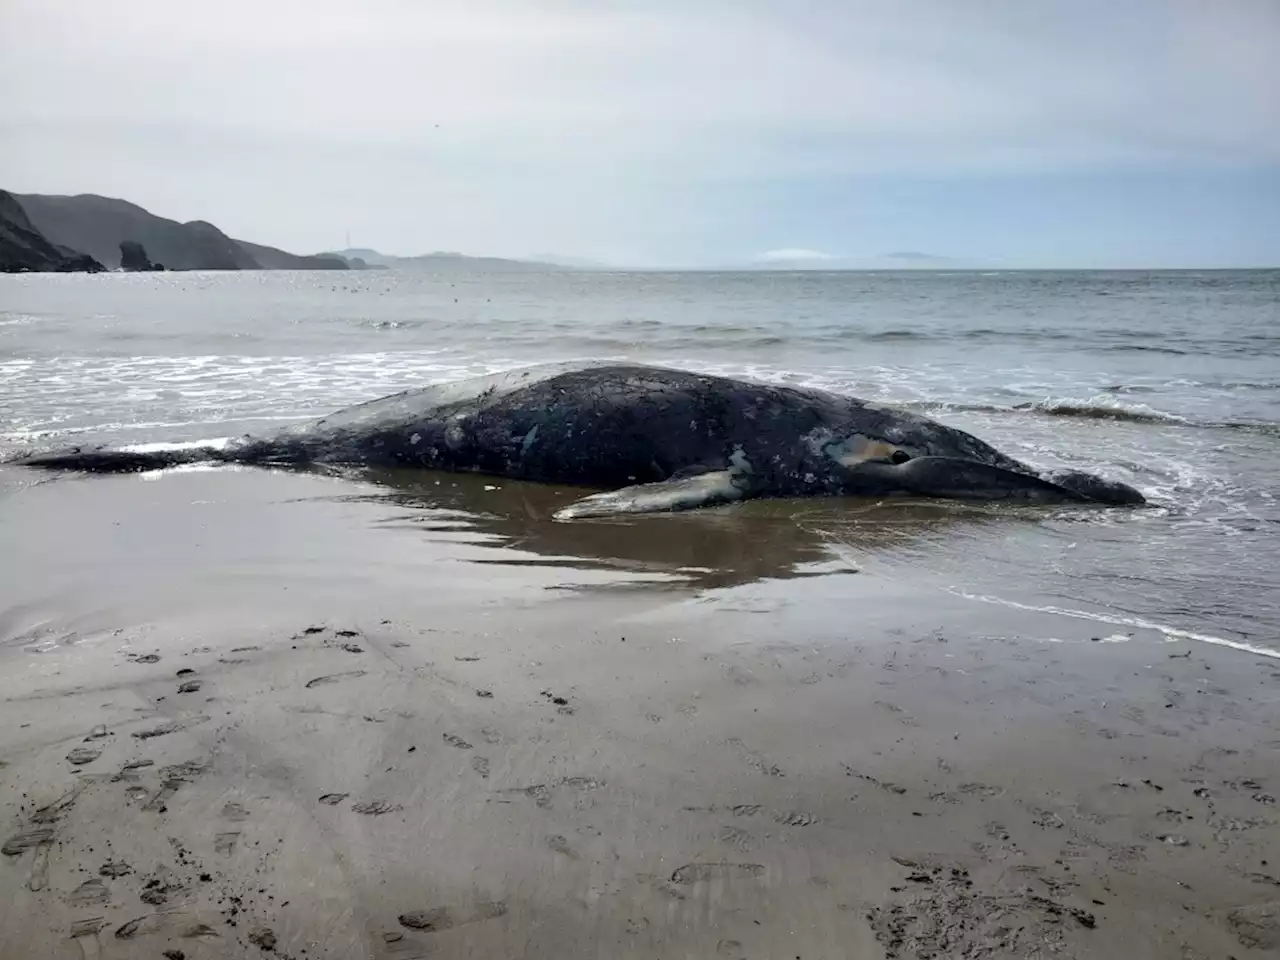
[(133, 256)]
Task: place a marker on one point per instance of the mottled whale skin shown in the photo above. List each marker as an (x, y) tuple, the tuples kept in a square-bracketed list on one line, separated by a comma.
[(653, 438)]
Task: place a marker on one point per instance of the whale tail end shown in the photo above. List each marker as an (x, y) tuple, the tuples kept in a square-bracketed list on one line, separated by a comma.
[(107, 460)]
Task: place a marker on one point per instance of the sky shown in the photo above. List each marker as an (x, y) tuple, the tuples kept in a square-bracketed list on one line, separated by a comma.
[(669, 133)]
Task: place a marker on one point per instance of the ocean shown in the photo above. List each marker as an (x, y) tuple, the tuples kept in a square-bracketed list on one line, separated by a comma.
[(1167, 380)]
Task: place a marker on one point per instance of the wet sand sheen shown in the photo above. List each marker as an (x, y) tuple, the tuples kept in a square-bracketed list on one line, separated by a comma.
[(247, 714)]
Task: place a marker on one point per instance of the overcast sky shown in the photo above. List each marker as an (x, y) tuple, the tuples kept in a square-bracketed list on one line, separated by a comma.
[(667, 132)]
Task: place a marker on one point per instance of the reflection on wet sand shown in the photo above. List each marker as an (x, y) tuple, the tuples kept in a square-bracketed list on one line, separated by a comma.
[(720, 547)]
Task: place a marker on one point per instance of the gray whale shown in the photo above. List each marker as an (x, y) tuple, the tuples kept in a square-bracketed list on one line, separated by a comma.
[(653, 438)]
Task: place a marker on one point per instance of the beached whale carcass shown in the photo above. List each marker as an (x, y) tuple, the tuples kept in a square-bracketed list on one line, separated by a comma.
[(652, 438)]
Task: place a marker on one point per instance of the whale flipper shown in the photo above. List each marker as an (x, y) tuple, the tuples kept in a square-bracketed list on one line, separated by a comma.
[(681, 493)]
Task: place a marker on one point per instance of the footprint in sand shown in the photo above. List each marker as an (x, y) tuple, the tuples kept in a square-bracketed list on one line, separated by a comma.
[(234, 812), (131, 928), (161, 887), (82, 755), (455, 741), (85, 934), (561, 845), (735, 837), (136, 794), (698, 872), (167, 727), (88, 894), (160, 799), (882, 784), (21, 842), (446, 918), (538, 793), (375, 808), (334, 678), (481, 766), (187, 770), (795, 819), (39, 877), (128, 770)]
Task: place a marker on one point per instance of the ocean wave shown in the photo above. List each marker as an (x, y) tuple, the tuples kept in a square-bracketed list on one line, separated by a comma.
[(1100, 408), (1103, 408), (17, 319), (1145, 348), (899, 334), (1170, 632), (369, 324), (887, 336), (1131, 388)]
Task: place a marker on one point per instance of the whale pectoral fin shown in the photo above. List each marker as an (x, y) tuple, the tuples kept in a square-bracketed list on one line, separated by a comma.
[(684, 493)]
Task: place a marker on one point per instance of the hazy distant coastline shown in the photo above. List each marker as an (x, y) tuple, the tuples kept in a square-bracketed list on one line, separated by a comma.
[(50, 232), (88, 232)]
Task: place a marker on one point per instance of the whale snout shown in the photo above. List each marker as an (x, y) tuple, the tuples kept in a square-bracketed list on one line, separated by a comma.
[(963, 479), (1097, 489)]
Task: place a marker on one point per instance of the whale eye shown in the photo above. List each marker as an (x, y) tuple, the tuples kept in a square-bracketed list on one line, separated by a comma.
[(900, 456)]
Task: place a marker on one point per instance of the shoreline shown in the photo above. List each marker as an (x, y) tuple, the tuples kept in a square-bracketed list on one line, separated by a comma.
[(399, 745)]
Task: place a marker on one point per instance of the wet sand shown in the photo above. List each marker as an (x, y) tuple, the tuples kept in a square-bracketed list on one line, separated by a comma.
[(247, 714)]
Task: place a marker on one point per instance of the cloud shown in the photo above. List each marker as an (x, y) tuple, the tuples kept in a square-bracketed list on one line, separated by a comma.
[(621, 130), (793, 255)]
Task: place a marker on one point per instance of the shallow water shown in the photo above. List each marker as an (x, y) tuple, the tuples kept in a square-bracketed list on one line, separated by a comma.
[(1170, 381)]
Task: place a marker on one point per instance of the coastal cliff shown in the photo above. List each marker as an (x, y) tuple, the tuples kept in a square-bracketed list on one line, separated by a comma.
[(99, 225), (23, 248)]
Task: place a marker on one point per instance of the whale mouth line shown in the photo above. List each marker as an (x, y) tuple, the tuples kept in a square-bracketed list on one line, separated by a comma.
[(957, 478)]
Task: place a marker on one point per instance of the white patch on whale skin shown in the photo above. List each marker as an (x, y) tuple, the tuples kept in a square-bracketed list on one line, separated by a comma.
[(853, 450), (218, 443), (686, 493), (739, 465), (415, 439), (528, 440)]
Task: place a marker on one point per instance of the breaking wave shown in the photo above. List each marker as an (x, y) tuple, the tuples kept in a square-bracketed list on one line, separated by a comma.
[(1105, 408)]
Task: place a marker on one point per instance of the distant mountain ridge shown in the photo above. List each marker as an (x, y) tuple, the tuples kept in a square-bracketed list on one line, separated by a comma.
[(97, 225), (442, 260), (270, 258), (23, 248), (899, 260)]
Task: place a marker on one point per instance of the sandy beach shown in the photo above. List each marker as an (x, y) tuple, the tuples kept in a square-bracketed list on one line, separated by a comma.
[(250, 714)]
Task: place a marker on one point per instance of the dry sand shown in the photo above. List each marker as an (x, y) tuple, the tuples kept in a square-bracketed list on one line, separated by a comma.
[(248, 715)]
